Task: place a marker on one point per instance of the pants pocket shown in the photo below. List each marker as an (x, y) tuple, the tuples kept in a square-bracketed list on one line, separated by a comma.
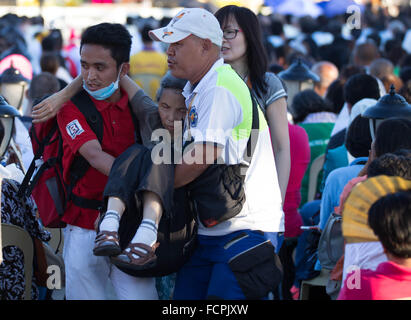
[(258, 270)]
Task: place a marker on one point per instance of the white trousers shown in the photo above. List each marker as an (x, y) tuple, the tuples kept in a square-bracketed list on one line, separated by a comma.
[(89, 277)]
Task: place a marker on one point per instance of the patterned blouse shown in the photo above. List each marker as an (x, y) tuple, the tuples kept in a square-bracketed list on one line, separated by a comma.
[(21, 213)]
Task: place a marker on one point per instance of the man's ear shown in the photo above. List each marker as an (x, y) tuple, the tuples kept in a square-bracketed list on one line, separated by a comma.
[(125, 69), (207, 44)]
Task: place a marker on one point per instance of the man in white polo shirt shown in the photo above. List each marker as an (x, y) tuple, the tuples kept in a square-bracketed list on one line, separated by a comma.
[(219, 122)]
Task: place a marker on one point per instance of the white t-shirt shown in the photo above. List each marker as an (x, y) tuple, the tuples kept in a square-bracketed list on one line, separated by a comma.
[(221, 114), (362, 255)]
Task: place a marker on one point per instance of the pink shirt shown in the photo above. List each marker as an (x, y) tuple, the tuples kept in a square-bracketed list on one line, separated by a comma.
[(346, 192), (389, 282), (300, 158)]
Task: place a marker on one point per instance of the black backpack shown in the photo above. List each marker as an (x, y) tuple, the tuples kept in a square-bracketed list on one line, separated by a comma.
[(46, 184)]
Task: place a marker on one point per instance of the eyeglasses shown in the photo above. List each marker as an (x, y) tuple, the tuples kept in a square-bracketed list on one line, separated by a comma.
[(229, 34)]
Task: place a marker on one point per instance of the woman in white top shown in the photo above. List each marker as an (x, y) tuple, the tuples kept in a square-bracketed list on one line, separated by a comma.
[(243, 49)]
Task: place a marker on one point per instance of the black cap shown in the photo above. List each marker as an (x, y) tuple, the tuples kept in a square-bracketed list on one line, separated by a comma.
[(388, 106)]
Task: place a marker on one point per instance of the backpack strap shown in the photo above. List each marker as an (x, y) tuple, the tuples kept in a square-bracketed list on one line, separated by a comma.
[(80, 165), (26, 185), (255, 126)]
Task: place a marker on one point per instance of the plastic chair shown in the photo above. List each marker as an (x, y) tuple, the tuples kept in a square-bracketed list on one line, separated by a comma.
[(315, 169), (321, 281), (15, 236), (57, 239)]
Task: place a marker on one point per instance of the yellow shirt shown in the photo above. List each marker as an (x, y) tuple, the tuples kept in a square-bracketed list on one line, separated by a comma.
[(147, 68)]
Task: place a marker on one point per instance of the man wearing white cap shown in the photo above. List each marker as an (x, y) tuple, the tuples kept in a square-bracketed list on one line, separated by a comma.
[(219, 122)]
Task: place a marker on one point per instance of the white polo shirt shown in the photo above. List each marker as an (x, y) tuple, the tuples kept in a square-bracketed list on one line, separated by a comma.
[(221, 114)]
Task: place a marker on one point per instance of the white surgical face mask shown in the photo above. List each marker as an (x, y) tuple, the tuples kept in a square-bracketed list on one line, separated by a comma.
[(104, 93)]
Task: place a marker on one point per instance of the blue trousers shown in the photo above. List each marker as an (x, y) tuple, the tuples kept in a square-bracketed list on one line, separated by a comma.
[(211, 271)]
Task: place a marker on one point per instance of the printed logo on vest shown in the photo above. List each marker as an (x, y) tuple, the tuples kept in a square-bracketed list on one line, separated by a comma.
[(74, 129), (193, 117)]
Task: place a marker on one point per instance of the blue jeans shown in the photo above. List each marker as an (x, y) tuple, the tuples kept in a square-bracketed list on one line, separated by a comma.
[(211, 271)]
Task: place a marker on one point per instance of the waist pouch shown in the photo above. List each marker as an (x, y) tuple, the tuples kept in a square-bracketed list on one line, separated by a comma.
[(258, 270), (217, 194)]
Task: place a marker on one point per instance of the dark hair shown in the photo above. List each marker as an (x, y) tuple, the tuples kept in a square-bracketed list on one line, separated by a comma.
[(308, 24), (390, 219), (112, 36), (360, 86), (144, 33), (257, 60), (405, 91), (392, 134), (349, 70), (49, 62), (275, 68), (394, 51), (170, 82), (405, 61), (405, 74), (358, 138), (335, 95), (364, 53), (42, 84), (306, 102), (277, 27), (391, 164)]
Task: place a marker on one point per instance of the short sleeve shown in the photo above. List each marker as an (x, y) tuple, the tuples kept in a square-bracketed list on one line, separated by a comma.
[(275, 88), (73, 127)]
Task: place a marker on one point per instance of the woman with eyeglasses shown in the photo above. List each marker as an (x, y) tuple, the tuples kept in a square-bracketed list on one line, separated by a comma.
[(243, 49)]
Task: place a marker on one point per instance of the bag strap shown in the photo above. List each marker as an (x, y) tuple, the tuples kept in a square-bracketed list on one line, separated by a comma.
[(26, 186), (255, 128), (93, 117), (80, 165)]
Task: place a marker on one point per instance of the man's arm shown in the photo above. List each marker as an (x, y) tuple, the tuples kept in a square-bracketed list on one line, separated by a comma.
[(49, 107), (145, 110), (129, 86), (96, 157), (194, 163)]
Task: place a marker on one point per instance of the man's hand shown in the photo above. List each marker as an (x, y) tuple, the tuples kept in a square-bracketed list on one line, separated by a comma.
[(47, 108)]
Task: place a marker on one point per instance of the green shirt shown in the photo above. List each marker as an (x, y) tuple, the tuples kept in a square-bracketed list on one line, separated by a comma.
[(318, 137)]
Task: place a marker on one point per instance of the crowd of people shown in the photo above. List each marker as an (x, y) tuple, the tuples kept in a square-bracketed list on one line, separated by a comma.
[(241, 150)]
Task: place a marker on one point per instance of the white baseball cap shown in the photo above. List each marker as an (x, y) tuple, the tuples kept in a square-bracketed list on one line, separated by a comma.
[(196, 21)]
